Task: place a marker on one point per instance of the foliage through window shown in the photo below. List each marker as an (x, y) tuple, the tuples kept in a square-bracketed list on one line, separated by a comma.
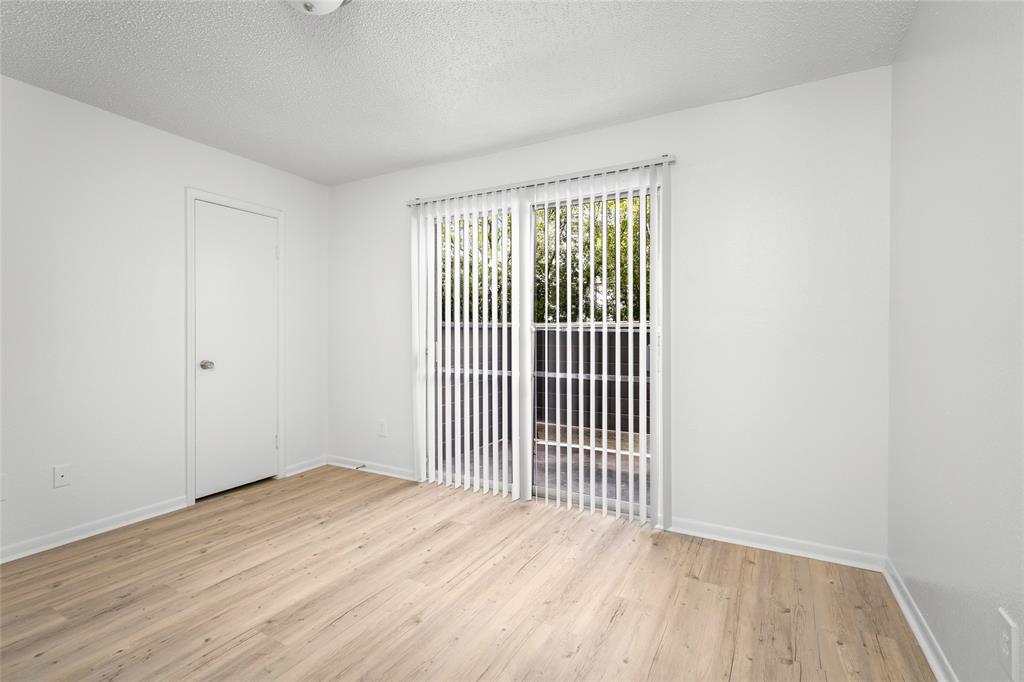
[(559, 249), (473, 256), (605, 225)]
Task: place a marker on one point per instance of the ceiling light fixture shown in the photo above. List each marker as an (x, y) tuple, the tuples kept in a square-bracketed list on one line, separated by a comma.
[(319, 7)]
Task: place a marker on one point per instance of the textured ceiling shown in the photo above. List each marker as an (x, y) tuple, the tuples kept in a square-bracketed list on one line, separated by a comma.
[(378, 85)]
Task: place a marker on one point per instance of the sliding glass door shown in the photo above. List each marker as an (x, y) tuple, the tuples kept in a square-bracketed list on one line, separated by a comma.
[(563, 278), (466, 328), (592, 445)]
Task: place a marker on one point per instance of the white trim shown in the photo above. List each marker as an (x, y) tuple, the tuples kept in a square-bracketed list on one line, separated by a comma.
[(779, 543), (192, 195), (372, 468), (58, 538), (940, 665), (85, 530), (933, 653), (305, 465)]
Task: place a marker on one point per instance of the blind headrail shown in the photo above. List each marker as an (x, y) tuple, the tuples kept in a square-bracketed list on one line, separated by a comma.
[(662, 160)]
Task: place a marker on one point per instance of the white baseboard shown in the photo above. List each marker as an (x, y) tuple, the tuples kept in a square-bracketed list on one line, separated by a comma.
[(929, 645), (370, 467), (24, 548), (305, 465), (779, 543), (940, 666), (42, 543)]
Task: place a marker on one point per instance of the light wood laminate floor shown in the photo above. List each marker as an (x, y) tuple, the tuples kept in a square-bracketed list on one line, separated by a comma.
[(341, 574)]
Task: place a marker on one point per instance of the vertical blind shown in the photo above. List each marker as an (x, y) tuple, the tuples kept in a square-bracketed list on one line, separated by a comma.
[(465, 341), (563, 276), (597, 277)]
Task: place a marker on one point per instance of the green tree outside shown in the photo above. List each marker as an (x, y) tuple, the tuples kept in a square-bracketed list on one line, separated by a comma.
[(561, 234)]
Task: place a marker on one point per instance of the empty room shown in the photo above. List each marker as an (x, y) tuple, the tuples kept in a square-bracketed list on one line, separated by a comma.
[(512, 339)]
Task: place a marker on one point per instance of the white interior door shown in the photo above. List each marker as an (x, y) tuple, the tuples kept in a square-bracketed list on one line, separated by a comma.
[(236, 319)]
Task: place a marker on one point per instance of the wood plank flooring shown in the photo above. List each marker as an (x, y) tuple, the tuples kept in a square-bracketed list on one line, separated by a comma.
[(341, 574)]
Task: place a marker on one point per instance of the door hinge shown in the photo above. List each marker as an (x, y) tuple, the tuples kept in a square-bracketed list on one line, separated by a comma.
[(277, 252), (275, 442)]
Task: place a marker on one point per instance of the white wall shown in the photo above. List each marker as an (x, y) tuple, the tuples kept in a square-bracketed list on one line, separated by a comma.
[(94, 309), (779, 304), (956, 513)]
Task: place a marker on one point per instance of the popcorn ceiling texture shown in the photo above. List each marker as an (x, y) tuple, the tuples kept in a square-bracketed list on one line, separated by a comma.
[(379, 86)]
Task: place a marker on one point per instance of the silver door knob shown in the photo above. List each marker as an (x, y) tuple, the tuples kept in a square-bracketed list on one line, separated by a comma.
[(206, 364)]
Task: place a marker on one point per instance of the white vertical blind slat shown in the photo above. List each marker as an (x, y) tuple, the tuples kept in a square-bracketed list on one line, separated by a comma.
[(497, 330), (604, 343), (435, 340), (558, 358), (451, 419), (593, 350), (629, 335), (487, 258), (421, 336), (427, 235), (580, 344), (439, 343), (568, 345), (504, 320), (644, 191), (514, 225), (460, 363), (618, 360), (494, 347), (485, 378), (486, 367), (547, 346), (497, 372), (460, 297), (435, 336), (469, 473), (442, 345), (450, 345), (474, 348), (470, 373), (418, 351), (500, 349)]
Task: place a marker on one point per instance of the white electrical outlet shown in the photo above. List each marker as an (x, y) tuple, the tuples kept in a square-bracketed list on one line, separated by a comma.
[(61, 475), (1009, 645), (382, 428)]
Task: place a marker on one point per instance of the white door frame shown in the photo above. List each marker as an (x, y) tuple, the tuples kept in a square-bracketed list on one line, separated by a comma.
[(193, 195)]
